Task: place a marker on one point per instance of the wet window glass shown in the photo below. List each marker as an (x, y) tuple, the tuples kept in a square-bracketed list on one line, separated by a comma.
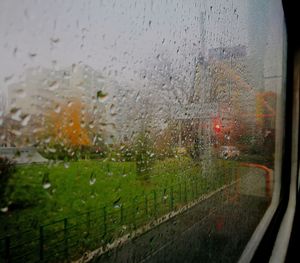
[(137, 131)]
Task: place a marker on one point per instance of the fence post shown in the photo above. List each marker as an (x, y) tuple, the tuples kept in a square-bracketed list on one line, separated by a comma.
[(104, 221), (185, 192), (171, 199), (66, 238), (155, 204), (146, 205), (225, 172), (7, 248), (192, 189), (41, 242), (88, 221), (219, 165), (134, 212), (180, 197), (121, 214)]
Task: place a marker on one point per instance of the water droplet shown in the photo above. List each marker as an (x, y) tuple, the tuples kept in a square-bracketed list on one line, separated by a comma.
[(82, 124), (25, 120), (15, 51), (57, 109), (21, 93), (7, 78), (53, 85), (112, 110), (52, 150), (46, 185), (4, 209), (32, 54), (16, 114), (46, 181), (54, 40), (101, 95), (116, 203), (92, 179)]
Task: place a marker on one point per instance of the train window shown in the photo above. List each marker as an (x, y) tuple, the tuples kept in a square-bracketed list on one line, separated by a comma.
[(139, 131)]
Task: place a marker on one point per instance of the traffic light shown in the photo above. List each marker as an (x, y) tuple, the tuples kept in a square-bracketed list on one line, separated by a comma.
[(217, 125), (217, 128)]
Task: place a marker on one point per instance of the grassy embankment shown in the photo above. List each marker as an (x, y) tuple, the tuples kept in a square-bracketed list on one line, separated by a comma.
[(44, 193)]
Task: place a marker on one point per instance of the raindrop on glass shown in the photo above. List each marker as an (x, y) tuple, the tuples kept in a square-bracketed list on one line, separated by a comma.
[(46, 181), (54, 40), (53, 85), (25, 120), (57, 109), (101, 95), (116, 203), (92, 179), (4, 209), (46, 185)]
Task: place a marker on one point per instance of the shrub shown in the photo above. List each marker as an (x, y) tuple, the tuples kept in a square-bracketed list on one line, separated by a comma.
[(163, 145), (7, 168), (196, 150), (126, 152), (60, 152)]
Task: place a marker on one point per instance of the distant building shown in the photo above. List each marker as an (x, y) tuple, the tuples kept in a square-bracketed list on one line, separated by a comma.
[(44, 91)]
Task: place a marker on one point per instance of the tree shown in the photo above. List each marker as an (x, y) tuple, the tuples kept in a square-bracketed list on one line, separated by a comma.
[(69, 126), (164, 143), (144, 155), (67, 131)]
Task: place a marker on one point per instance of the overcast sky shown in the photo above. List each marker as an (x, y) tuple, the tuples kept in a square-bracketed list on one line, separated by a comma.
[(118, 36), (122, 37)]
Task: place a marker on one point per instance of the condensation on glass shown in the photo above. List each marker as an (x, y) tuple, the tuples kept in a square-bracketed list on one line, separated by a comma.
[(137, 130)]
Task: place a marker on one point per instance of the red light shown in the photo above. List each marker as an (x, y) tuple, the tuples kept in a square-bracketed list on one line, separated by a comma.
[(217, 128), (217, 125)]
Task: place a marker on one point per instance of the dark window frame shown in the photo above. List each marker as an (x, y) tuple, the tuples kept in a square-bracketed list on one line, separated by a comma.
[(277, 235)]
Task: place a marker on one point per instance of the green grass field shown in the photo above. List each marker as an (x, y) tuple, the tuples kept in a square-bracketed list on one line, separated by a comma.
[(105, 196), (78, 186)]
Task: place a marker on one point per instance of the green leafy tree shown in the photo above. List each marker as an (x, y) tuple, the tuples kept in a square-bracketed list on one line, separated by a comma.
[(144, 155)]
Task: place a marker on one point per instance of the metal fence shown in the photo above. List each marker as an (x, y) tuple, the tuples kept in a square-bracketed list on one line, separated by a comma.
[(70, 237)]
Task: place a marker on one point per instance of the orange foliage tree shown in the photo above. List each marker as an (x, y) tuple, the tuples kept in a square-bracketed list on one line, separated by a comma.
[(68, 124)]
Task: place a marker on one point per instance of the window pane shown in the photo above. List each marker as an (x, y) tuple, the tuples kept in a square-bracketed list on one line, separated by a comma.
[(137, 130)]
